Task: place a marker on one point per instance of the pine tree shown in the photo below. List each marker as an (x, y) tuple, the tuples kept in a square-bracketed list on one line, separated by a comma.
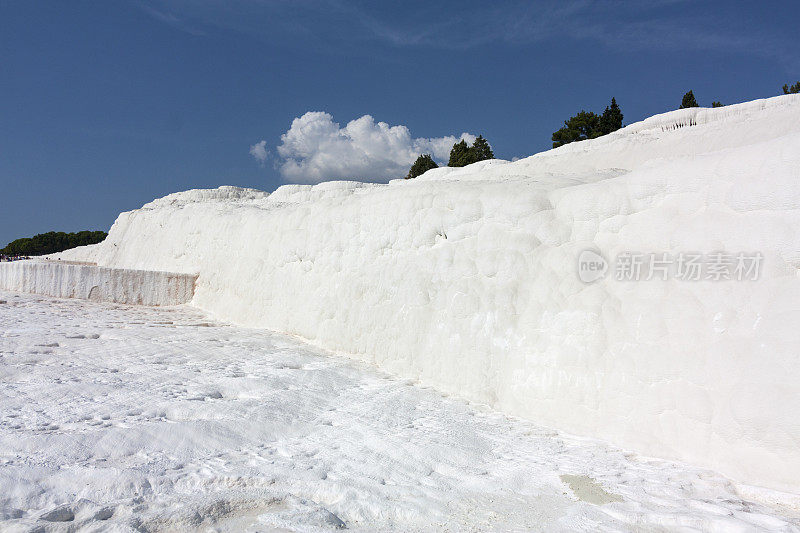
[(423, 164), (717, 104), (794, 89), (461, 155), (611, 119), (481, 149), (458, 153), (688, 101), (584, 125)]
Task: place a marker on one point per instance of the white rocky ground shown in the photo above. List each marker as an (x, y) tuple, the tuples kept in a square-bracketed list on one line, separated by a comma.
[(129, 418)]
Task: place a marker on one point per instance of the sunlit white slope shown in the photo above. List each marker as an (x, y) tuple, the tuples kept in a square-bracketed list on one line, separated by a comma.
[(466, 280)]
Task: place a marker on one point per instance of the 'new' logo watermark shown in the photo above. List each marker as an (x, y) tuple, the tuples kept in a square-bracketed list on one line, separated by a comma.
[(681, 266), (591, 266)]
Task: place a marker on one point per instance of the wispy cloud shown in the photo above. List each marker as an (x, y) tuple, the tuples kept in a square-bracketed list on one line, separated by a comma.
[(656, 25), (259, 151), (617, 24), (171, 20)]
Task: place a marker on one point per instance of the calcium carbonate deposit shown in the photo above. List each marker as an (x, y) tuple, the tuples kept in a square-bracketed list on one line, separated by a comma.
[(89, 282), (131, 419), (467, 280)]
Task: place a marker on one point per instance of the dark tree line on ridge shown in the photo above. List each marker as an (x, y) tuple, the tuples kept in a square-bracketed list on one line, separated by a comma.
[(588, 125), (52, 242), (584, 125), (791, 89), (461, 155)]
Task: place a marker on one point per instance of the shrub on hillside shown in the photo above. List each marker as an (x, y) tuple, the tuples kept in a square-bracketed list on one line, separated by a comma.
[(52, 242), (589, 125), (584, 125), (462, 154), (423, 164), (794, 89)]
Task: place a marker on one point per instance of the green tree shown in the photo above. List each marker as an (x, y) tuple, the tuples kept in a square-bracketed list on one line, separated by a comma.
[(52, 242), (717, 104), (481, 149), (460, 155), (794, 89), (423, 164), (688, 101), (584, 125), (611, 119)]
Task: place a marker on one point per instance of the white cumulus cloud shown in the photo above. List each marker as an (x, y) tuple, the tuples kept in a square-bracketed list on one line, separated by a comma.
[(315, 148), (259, 151)]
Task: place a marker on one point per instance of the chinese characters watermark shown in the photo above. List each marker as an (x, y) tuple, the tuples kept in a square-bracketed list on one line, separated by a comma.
[(682, 266)]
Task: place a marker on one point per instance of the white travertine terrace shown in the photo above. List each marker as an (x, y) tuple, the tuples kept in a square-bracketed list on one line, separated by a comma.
[(465, 279), (90, 282)]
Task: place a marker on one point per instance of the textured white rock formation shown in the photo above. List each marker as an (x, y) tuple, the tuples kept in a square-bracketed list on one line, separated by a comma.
[(465, 279), (89, 282)]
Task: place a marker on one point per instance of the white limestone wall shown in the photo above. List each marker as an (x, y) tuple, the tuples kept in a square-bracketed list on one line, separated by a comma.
[(465, 279), (89, 282)]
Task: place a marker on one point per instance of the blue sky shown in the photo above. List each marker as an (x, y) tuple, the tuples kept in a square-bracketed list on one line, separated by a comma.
[(107, 105)]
